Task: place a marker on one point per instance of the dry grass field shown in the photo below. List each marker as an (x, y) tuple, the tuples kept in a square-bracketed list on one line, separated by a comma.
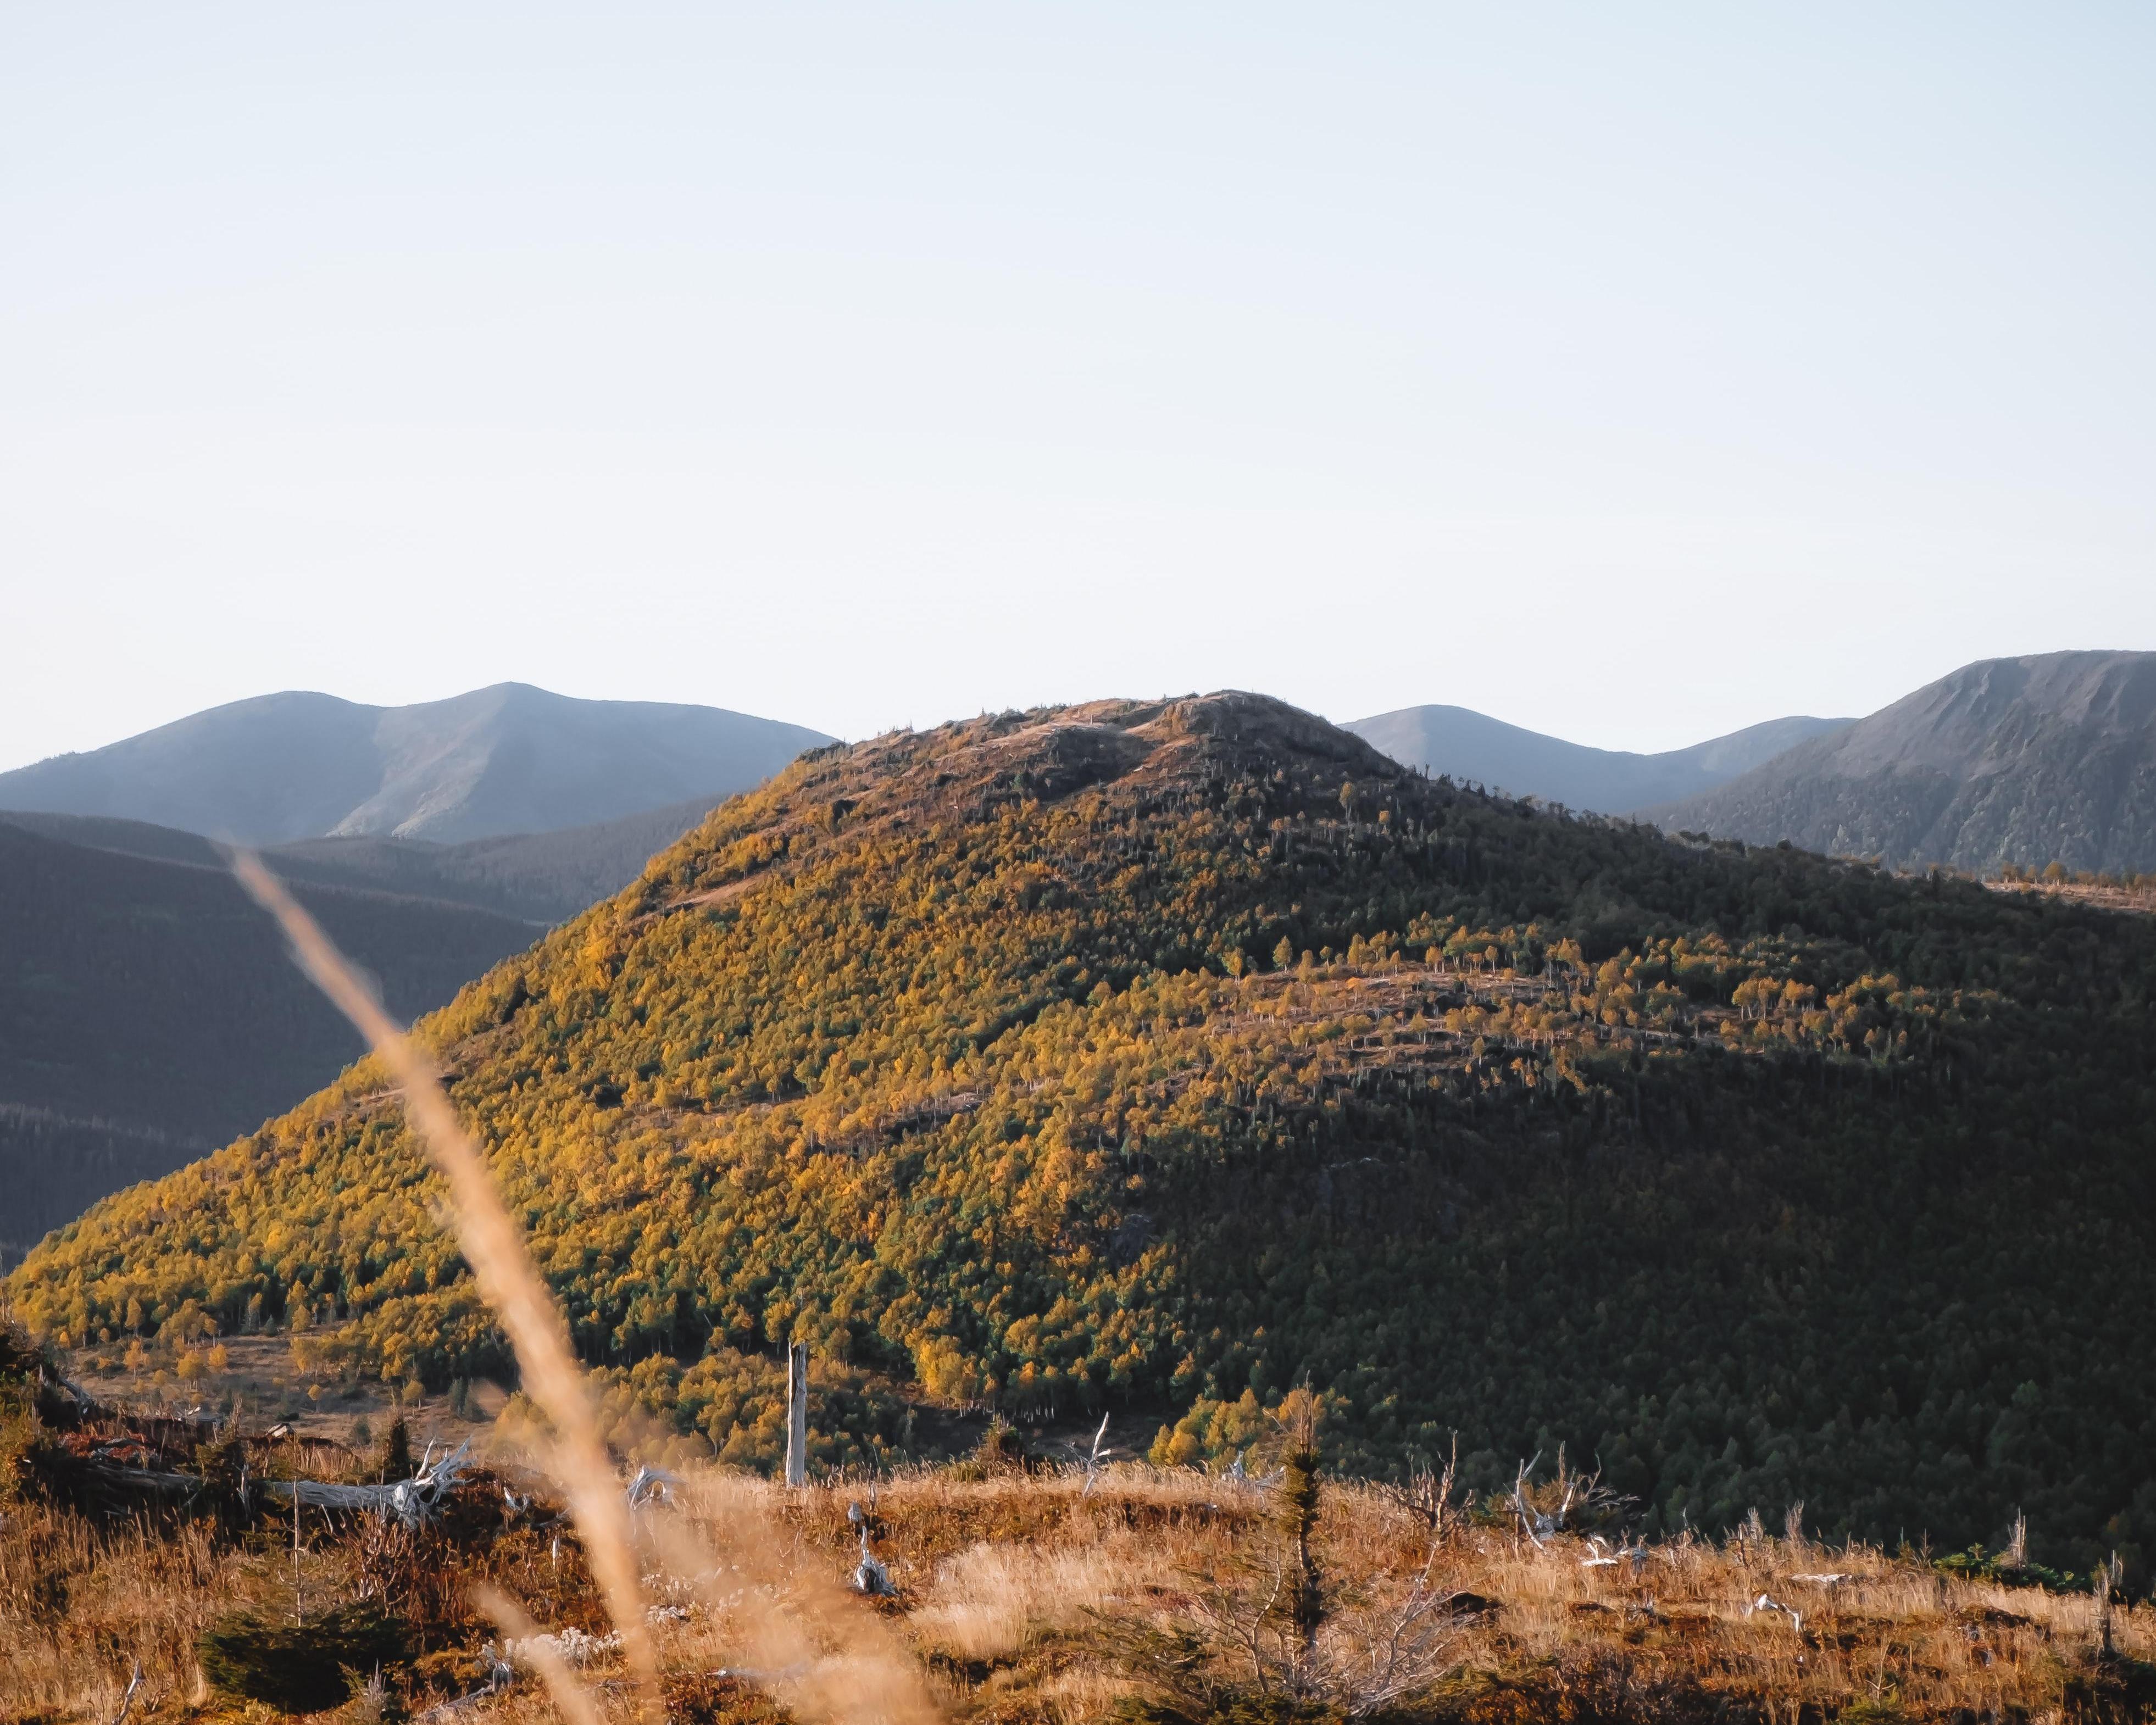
[(1028, 1596)]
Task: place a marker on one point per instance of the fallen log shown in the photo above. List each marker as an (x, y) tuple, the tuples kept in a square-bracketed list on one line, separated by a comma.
[(412, 1502)]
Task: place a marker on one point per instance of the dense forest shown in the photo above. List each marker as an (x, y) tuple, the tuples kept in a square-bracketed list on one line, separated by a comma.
[(1159, 1057)]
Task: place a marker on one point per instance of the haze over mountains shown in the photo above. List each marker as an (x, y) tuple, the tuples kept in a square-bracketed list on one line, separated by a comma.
[(146, 1012), (536, 878), (507, 759), (1472, 747), (2023, 760)]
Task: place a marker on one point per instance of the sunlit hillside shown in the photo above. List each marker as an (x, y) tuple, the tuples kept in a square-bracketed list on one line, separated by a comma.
[(1153, 1059)]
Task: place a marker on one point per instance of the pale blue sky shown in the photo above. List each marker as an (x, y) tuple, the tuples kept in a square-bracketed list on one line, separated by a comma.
[(1633, 372)]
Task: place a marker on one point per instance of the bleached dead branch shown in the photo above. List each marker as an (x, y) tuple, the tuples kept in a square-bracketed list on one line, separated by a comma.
[(411, 1501)]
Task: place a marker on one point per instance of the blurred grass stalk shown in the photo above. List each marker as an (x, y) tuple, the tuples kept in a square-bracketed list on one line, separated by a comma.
[(511, 1287), (830, 1661)]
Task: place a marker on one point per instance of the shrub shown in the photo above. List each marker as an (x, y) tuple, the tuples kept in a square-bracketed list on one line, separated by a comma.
[(306, 1665)]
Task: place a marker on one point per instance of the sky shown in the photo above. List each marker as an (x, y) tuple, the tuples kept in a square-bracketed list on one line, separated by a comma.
[(1632, 373)]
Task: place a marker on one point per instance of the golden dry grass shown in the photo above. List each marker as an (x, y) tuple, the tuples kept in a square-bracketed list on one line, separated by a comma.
[(1895, 1634), (1010, 1587)]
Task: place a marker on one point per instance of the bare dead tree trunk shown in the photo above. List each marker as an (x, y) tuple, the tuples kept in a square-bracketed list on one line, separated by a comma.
[(797, 1414)]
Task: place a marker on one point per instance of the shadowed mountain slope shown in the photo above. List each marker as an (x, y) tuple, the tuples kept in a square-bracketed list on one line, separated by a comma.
[(509, 759), (543, 877), (146, 1013), (2022, 761), (1474, 748), (1158, 1056), (538, 878)]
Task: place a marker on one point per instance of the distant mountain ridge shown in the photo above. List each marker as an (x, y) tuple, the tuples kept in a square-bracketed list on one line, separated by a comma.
[(507, 759), (1472, 748), (146, 1009), (2048, 757)]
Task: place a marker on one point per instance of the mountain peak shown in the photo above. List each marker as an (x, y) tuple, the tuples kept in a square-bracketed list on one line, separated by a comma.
[(1182, 744), (2049, 757), (507, 759)]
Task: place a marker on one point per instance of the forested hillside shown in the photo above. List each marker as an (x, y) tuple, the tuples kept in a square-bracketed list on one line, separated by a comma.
[(1161, 1056)]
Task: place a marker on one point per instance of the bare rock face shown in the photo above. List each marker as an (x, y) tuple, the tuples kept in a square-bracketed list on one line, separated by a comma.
[(2023, 760)]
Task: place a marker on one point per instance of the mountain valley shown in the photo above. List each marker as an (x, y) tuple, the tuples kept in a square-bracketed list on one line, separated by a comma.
[(148, 1014)]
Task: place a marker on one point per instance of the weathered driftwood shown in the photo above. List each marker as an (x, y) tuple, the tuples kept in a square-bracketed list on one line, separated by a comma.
[(177, 1487), (1768, 1603), (871, 1577), (412, 1502), (1581, 1496), (127, 1701), (499, 1676), (1093, 1457)]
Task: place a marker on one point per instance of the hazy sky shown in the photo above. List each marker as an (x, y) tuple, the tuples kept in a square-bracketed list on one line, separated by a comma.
[(1632, 373)]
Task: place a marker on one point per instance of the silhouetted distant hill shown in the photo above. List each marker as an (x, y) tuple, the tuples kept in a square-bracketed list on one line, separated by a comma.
[(2023, 760), (1472, 747), (148, 1011), (509, 759), (141, 1035)]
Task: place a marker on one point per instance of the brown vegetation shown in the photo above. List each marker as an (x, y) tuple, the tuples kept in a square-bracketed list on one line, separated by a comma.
[(1024, 1596)]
